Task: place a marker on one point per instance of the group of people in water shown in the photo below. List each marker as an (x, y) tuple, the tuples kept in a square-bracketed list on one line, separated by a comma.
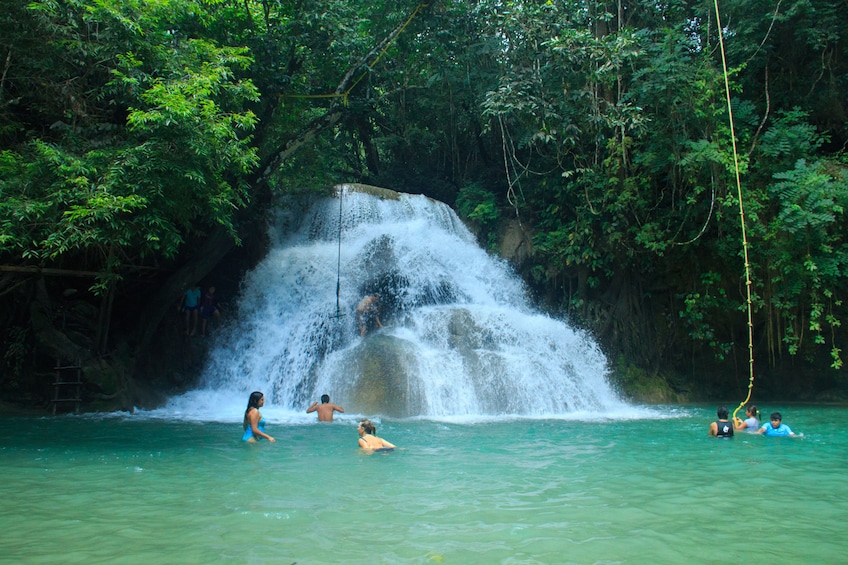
[(254, 423), (723, 427), (367, 318)]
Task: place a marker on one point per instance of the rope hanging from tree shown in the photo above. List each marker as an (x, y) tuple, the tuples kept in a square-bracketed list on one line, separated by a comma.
[(338, 313), (346, 94), (741, 216)]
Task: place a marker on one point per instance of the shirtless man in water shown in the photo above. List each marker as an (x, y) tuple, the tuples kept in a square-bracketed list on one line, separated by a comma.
[(325, 409)]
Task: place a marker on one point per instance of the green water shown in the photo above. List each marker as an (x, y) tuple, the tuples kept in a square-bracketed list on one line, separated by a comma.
[(140, 490)]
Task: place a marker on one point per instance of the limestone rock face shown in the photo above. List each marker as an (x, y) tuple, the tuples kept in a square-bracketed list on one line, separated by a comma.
[(516, 245), (384, 383)]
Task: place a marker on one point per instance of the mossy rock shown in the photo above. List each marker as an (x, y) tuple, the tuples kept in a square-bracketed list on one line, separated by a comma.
[(646, 387)]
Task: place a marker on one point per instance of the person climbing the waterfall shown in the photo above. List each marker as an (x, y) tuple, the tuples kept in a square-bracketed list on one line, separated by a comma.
[(209, 308), (721, 427), (254, 423), (191, 306), (325, 409), (751, 423), (368, 313), (368, 438), (776, 427)]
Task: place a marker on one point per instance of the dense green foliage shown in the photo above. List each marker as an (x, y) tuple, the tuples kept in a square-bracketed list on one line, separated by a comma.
[(136, 135), (131, 132), (616, 132)]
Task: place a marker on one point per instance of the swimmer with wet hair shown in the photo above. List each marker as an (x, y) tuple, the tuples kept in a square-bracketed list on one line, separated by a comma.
[(721, 427), (776, 427), (368, 438), (254, 423), (325, 409), (751, 423)]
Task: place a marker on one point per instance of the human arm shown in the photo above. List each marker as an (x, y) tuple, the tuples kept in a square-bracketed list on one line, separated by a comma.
[(713, 429), (312, 407), (384, 443), (338, 408), (739, 424)]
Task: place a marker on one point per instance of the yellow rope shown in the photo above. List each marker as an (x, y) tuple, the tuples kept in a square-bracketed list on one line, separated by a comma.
[(346, 93), (377, 58), (741, 219)]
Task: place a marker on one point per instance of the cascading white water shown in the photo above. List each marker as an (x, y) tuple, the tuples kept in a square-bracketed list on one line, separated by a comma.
[(460, 338)]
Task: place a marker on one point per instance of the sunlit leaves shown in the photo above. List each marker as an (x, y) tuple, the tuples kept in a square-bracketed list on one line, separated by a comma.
[(135, 189)]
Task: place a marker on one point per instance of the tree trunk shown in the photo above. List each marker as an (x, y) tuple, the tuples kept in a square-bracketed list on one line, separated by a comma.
[(372, 158)]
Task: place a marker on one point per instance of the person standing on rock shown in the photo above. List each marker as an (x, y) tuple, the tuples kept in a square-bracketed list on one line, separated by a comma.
[(368, 313), (191, 306), (208, 309)]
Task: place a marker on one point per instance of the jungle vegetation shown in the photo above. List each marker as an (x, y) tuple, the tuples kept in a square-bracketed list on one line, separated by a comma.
[(142, 144)]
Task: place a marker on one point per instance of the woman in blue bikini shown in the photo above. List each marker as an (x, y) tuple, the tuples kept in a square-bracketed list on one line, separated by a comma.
[(254, 423), (368, 440)]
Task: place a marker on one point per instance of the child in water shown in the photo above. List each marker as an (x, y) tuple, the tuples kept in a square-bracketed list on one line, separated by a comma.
[(751, 423), (776, 427)]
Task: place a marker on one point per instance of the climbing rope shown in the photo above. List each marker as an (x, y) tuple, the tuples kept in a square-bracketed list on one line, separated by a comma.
[(338, 313), (741, 216)]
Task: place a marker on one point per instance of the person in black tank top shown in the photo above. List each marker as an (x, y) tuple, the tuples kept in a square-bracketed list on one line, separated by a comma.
[(721, 427)]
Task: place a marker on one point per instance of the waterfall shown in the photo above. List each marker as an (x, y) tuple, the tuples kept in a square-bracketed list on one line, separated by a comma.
[(460, 336)]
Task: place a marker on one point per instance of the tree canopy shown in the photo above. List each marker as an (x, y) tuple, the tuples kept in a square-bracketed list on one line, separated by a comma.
[(131, 133)]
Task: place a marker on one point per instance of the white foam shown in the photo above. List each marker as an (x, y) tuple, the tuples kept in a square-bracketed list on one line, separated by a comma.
[(284, 341)]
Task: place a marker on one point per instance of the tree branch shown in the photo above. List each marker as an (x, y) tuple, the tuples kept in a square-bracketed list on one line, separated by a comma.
[(336, 108)]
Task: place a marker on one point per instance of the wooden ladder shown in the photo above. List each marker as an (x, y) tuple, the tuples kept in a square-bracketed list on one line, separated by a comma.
[(67, 388)]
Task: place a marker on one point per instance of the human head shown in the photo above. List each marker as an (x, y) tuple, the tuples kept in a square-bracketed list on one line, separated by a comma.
[(253, 401), (722, 413), (368, 427), (325, 398), (752, 411), (776, 417)]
